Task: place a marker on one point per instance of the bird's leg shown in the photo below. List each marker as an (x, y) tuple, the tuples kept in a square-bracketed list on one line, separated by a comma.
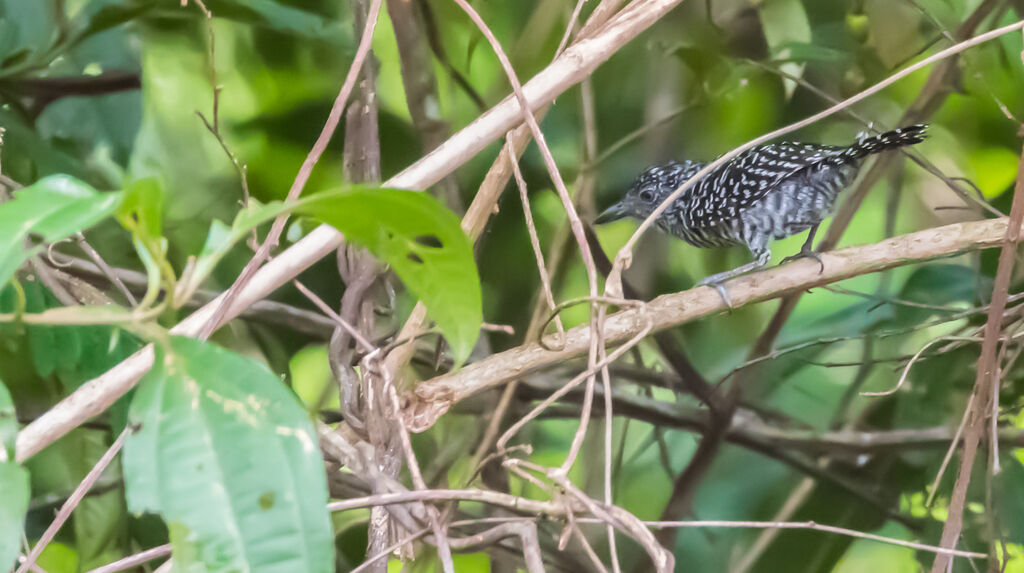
[(715, 281), (807, 251)]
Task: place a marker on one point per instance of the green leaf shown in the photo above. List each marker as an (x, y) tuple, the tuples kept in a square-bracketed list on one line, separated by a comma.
[(425, 245), (221, 238), (14, 495), (937, 284), (995, 169), (785, 24), (805, 52), (42, 339), (75, 354), (143, 207), (28, 155), (58, 558), (26, 28), (895, 30), (1010, 495), (141, 212), (102, 348), (53, 208), (8, 426), (311, 378), (102, 15), (101, 520), (280, 17), (228, 457)]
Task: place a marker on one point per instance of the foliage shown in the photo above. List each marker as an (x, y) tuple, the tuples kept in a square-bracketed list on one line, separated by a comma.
[(232, 468), (52, 208), (13, 482), (169, 139)]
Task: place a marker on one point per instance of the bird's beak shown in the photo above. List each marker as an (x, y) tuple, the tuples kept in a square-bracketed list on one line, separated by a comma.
[(613, 213)]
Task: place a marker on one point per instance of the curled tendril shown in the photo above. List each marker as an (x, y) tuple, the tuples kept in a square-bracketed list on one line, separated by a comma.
[(51, 255)]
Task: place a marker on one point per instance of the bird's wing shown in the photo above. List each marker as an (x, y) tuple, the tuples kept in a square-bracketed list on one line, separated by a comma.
[(738, 184)]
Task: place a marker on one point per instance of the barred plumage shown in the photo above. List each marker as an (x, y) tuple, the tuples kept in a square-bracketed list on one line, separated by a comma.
[(767, 192)]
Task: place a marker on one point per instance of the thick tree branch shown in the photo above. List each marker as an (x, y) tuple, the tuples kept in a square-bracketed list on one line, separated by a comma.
[(437, 395)]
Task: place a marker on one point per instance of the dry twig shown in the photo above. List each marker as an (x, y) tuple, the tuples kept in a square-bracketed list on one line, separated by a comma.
[(987, 373)]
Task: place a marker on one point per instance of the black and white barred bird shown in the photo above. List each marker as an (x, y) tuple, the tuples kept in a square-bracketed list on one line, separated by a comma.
[(767, 192)]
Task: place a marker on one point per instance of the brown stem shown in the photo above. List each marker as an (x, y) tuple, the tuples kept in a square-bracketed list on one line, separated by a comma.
[(987, 374)]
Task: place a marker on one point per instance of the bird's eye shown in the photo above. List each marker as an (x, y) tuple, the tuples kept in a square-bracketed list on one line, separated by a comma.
[(647, 196)]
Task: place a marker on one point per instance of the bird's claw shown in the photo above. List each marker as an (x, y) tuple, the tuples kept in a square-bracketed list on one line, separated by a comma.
[(806, 254), (718, 288)]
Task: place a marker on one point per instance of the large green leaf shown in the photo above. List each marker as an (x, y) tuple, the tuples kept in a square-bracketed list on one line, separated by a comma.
[(228, 457), (413, 232), (423, 242), (53, 208), (14, 494), (14, 487)]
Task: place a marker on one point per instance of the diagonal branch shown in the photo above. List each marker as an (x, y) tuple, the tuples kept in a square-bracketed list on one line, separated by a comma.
[(576, 63), (437, 395)]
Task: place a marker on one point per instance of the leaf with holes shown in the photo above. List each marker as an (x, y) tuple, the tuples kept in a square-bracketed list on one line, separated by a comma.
[(52, 208), (422, 241), (227, 456)]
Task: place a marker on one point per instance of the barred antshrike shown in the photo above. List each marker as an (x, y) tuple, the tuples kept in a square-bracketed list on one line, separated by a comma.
[(767, 192)]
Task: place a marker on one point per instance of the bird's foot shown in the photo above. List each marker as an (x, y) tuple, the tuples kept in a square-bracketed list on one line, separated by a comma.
[(716, 283), (806, 253)]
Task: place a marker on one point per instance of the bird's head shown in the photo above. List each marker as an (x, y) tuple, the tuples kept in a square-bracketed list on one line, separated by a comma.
[(651, 187)]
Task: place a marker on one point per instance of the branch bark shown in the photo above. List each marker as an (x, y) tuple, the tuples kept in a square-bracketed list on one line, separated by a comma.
[(435, 396)]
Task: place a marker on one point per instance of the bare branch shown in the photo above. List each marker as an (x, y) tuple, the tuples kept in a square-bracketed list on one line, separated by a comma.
[(987, 373), (72, 502), (625, 253), (135, 560), (222, 310), (438, 394)]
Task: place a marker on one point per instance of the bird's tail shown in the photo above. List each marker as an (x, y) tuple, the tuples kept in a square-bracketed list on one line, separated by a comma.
[(889, 140)]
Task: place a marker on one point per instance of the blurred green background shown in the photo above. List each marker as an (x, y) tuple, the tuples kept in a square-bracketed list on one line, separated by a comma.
[(709, 76)]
